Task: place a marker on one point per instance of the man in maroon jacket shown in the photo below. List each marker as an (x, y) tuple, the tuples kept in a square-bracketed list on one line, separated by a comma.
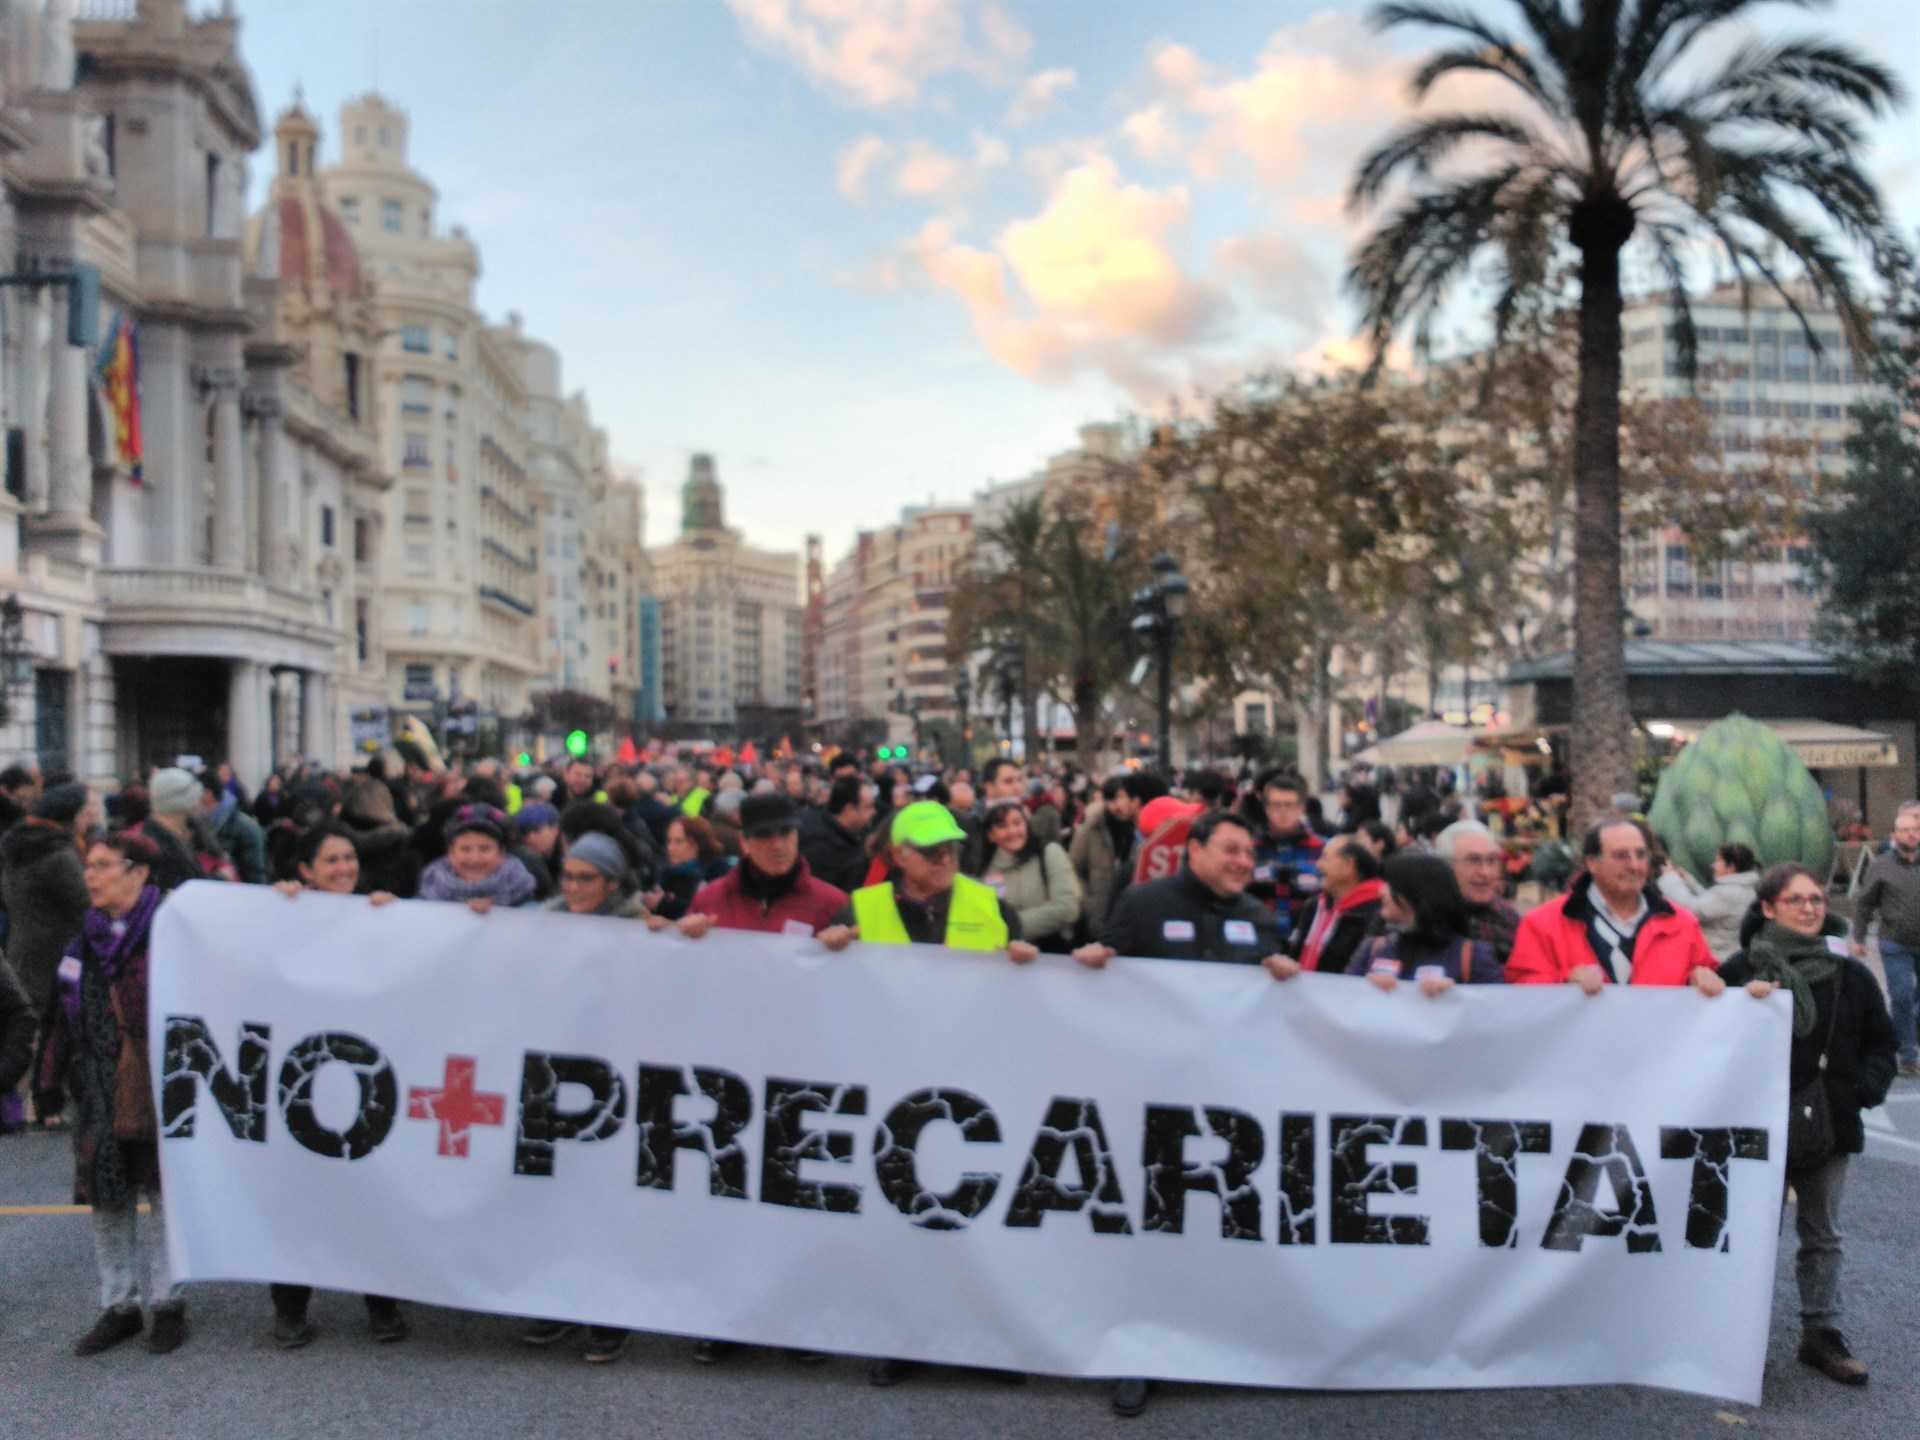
[(771, 888)]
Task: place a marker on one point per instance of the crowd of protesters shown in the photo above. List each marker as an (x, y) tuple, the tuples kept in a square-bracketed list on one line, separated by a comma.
[(1002, 859)]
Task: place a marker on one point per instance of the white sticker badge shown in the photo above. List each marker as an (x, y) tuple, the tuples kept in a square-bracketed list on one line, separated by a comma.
[(69, 968), (1177, 930), (797, 928), (1241, 932)]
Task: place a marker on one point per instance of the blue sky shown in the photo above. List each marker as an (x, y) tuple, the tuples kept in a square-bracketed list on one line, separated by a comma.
[(874, 251)]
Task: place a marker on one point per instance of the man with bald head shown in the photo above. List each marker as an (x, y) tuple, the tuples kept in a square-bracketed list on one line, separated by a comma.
[(1480, 866)]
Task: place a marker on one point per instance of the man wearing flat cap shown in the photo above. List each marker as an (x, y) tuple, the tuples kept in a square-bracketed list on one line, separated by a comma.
[(771, 889)]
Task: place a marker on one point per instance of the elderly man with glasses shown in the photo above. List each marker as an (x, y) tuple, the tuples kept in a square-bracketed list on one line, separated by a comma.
[(1480, 867)]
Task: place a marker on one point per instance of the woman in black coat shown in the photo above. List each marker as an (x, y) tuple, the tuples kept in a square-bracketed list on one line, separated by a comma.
[(1839, 1013)]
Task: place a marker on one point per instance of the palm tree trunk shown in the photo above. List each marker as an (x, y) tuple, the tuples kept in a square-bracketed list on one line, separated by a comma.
[(1602, 760)]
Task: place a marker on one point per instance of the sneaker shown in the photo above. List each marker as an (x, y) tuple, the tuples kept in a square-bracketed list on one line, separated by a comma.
[(109, 1330), (547, 1332), (169, 1329), (605, 1345), (1129, 1397), (291, 1332), (1826, 1351), (884, 1374), (708, 1352), (387, 1323)]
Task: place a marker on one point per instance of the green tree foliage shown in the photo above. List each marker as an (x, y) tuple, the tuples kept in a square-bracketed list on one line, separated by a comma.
[(1866, 545), (1611, 132)]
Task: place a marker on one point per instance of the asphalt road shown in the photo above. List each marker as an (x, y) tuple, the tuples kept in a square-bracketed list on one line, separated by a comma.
[(466, 1375)]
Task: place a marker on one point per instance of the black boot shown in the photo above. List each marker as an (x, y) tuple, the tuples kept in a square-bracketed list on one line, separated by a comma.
[(1826, 1351), (1130, 1397), (120, 1323), (169, 1329)]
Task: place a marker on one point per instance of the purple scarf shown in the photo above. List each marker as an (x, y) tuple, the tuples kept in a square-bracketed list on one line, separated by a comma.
[(510, 884), (111, 941)]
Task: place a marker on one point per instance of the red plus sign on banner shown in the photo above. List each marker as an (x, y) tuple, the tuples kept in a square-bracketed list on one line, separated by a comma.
[(457, 1106)]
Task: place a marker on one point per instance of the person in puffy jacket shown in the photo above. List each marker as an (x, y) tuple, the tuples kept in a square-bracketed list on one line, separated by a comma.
[(1429, 940), (1723, 905), (1612, 927), (1843, 1036)]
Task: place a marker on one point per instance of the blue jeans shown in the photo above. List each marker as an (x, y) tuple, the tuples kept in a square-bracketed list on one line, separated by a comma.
[(1898, 961)]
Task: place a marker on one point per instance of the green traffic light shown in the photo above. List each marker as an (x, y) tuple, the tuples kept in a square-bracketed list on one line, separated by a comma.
[(577, 742)]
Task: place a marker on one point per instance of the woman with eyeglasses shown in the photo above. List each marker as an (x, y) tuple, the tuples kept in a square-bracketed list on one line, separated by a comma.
[(1842, 1037), (96, 1049), (327, 862)]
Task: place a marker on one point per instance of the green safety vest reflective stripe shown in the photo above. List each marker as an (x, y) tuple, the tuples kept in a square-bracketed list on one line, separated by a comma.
[(513, 799), (973, 917), (696, 798)]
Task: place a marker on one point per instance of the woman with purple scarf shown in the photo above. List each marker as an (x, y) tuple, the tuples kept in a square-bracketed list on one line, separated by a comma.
[(96, 1046), (477, 870)]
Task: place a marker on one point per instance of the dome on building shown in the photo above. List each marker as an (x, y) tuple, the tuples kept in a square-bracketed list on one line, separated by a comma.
[(298, 239)]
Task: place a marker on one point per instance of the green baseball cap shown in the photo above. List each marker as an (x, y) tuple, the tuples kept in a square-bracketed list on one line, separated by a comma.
[(925, 822)]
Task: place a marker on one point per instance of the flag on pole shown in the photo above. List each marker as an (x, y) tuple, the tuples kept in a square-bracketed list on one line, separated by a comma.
[(118, 368)]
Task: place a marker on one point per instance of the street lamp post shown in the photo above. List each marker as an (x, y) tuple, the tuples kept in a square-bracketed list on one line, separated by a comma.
[(1157, 608), (963, 693)]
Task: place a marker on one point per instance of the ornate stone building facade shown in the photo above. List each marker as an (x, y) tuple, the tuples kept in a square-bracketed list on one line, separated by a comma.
[(189, 585)]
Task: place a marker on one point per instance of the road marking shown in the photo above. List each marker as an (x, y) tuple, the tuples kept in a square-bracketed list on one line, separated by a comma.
[(57, 1209)]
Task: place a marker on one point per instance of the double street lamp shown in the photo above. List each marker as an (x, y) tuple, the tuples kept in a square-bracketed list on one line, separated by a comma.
[(1157, 608)]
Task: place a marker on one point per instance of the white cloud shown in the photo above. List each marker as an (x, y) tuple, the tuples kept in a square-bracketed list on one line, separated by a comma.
[(880, 53), (855, 164), (1037, 94), (1152, 133), (1089, 283), (927, 171)]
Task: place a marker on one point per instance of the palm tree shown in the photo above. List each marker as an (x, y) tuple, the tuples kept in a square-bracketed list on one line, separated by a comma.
[(1614, 137)]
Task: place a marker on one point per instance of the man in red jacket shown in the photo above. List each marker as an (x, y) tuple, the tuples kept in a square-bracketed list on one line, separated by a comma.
[(1612, 927), (771, 888)]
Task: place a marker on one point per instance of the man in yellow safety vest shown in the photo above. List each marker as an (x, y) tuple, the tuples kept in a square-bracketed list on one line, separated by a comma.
[(929, 902)]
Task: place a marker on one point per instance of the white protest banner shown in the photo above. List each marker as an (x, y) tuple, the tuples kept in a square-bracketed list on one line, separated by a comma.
[(1187, 1171)]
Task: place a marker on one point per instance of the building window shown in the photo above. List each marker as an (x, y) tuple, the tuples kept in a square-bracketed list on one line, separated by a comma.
[(417, 339), (416, 395), (360, 631), (362, 540), (392, 216), (419, 677), (326, 526), (415, 453), (419, 560), (353, 386), (350, 209), (213, 193)]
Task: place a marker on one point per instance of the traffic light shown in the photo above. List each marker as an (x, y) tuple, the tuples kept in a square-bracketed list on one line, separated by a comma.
[(577, 743)]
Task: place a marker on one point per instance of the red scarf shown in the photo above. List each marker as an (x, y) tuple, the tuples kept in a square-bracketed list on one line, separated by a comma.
[(1327, 916)]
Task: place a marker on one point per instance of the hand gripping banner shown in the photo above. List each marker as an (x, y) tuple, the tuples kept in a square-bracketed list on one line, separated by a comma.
[(1184, 1171)]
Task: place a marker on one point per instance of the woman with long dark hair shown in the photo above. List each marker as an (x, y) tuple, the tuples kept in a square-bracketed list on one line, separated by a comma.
[(1035, 878), (1843, 1040), (1427, 939)]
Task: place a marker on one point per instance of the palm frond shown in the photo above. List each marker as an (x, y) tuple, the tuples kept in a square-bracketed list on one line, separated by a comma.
[(1513, 66), (1819, 67), (1418, 146)]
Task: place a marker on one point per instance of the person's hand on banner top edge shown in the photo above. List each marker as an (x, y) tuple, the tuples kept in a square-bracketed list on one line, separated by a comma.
[(1022, 952), (838, 937), (1095, 957), (1590, 978), (695, 926), (480, 904), (1761, 989), (1282, 967), (1707, 981)]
